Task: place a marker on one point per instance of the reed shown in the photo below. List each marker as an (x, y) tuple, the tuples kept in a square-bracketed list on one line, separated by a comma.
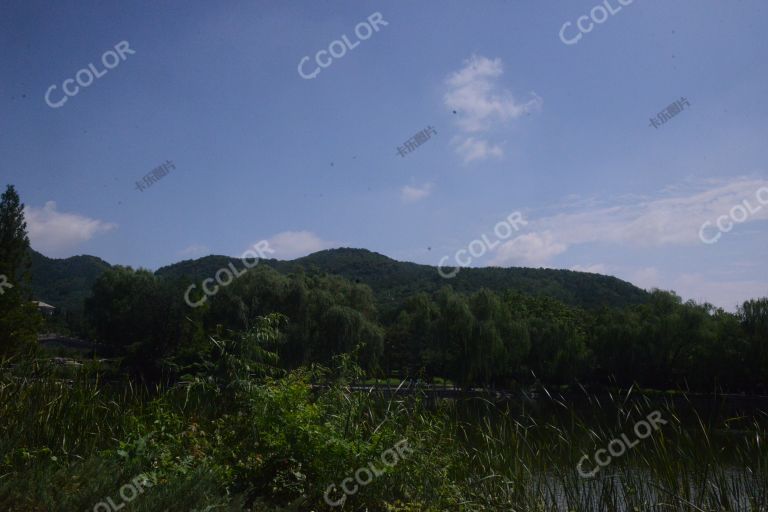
[(276, 444)]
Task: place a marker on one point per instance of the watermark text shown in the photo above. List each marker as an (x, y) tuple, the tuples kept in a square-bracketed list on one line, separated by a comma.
[(155, 175), (4, 283), (477, 248), (86, 76), (338, 48), (128, 493), (617, 447), (585, 24), (389, 458), (416, 141), (739, 213), (225, 276)]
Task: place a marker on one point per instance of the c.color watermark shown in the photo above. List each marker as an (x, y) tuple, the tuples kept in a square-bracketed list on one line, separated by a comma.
[(507, 226), (4, 283), (133, 490), (599, 15), (400, 452), (743, 214), (341, 46), (85, 77), (642, 430), (231, 273)]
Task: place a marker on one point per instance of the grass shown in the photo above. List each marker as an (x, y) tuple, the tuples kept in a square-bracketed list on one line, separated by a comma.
[(278, 443)]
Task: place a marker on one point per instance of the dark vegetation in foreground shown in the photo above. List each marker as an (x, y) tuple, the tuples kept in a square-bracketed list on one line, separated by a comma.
[(237, 433)]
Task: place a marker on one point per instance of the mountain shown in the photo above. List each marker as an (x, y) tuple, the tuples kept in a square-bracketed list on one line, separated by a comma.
[(65, 283), (393, 280)]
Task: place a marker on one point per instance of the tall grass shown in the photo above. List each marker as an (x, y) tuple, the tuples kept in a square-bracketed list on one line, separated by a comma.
[(277, 444), (518, 461)]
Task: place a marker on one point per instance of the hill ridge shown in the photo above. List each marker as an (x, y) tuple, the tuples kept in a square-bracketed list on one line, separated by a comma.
[(66, 282)]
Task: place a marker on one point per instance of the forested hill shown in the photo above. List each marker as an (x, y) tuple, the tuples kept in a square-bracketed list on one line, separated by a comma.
[(392, 280), (65, 283)]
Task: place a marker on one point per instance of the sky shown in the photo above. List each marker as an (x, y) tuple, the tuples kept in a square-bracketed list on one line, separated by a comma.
[(616, 130)]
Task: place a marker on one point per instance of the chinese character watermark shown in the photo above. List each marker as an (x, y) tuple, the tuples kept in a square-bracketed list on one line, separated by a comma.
[(416, 141), (669, 112), (155, 175)]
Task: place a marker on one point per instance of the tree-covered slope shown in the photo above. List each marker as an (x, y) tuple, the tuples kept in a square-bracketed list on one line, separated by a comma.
[(392, 281), (65, 283)]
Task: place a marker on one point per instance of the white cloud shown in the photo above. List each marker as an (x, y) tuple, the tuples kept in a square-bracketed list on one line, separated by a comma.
[(52, 232), (726, 294), (529, 250), (667, 221), (482, 104), (479, 100), (411, 194), (194, 251), (671, 219), (646, 278), (634, 222), (294, 244), (477, 149)]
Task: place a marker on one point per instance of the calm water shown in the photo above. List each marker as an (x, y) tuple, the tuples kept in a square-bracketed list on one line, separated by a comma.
[(725, 431)]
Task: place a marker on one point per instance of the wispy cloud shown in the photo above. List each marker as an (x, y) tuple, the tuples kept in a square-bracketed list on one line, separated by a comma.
[(471, 149), (53, 232), (597, 268), (411, 194), (529, 250), (632, 222), (727, 294), (294, 244), (482, 104), (194, 251), (646, 278)]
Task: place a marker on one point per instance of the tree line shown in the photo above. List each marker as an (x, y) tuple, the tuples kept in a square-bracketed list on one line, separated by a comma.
[(480, 338)]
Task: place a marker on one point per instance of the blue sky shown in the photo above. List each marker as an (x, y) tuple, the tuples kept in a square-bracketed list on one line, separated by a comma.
[(559, 132)]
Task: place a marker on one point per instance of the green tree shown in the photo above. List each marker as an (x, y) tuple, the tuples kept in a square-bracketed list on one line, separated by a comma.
[(454, 335), (417, 322), (754, 319), (141, 315), (19, 318), (559, 352)]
